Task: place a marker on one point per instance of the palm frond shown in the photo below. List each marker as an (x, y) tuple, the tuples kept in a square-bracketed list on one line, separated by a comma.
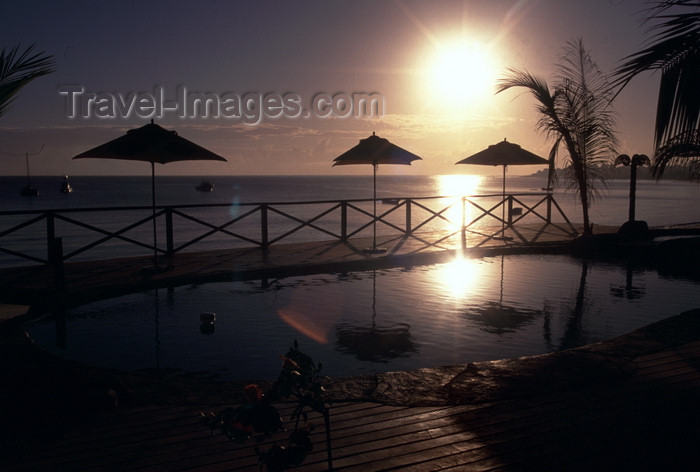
[(683, 150), (536, 85), (673, 49), (578, 67), (678, 107), (545, 99), (673, 35), (17, 69)]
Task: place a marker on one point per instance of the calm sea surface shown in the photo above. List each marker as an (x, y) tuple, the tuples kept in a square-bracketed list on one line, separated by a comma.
[(659, 203), (363, 322)]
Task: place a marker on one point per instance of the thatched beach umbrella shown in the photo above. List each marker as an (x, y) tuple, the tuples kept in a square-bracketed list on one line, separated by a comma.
[(374, 151), (154, 144)]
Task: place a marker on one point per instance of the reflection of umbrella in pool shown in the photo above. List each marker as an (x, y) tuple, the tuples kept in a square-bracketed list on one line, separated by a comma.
[(374, 151), (495, 317), (375, 343), (151, 143), (504, 154)]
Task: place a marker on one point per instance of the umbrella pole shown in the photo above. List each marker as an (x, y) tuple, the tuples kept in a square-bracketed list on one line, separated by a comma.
[(503, 210), (374, 221), (153, 206), (374, 249)]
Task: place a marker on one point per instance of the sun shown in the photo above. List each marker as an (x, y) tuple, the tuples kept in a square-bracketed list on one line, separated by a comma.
[(462, 73), (458, 186)]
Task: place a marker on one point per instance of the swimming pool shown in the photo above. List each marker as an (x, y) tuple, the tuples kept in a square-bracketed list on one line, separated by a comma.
[(366, 322)]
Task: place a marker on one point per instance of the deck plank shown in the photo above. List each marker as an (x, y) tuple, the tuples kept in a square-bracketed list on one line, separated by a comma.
[(569, 429), (647, 421)]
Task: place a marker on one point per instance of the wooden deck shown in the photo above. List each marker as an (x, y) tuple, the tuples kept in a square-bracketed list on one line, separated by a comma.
[(648, 421)]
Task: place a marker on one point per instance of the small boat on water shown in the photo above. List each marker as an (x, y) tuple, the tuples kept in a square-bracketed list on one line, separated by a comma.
[(66, 187), (28, 190), (391, 201), (205, 186)]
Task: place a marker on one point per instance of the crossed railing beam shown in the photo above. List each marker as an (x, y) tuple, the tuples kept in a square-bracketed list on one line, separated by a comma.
[(336, 209)]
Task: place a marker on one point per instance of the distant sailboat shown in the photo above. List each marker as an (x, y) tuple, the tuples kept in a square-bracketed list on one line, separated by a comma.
[(66, 187), (28, 190)]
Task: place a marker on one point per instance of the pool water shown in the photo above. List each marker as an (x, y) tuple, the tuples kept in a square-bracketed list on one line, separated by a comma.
[(366, 322)]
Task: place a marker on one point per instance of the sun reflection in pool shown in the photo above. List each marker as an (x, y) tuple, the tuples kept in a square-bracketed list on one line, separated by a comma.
[(459, 276)]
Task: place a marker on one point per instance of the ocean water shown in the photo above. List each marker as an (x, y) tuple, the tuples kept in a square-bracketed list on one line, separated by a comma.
[(658, 202)]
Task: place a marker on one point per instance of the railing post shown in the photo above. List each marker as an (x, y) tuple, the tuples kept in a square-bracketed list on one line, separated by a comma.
[(50, 233), (170, 245), (408, 216), (343, 220), (550, 197), (510, 210), (56, 261), (263, 226), (464, 222)]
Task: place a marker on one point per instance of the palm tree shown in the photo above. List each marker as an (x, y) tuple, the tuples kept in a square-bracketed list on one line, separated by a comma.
[(18, 69), (674, 49), (577, 113)]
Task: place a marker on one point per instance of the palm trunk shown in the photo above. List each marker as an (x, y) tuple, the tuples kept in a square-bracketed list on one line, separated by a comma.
[(584, 207), (587, 230)]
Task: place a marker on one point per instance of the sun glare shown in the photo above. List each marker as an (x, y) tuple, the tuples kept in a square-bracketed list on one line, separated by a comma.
[(458, 186), (462, 73), (459, 276)]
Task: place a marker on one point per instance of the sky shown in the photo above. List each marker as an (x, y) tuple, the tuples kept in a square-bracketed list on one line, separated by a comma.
[(285, 80)]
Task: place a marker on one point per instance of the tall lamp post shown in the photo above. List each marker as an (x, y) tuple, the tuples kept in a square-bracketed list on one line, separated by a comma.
[(635, 161)]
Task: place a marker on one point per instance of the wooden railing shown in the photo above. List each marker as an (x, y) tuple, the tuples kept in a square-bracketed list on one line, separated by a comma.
[(252, 224)]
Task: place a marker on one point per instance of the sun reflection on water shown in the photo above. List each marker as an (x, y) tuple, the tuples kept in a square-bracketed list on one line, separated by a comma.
[(459, 276), (454, 187), (458, 185)]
